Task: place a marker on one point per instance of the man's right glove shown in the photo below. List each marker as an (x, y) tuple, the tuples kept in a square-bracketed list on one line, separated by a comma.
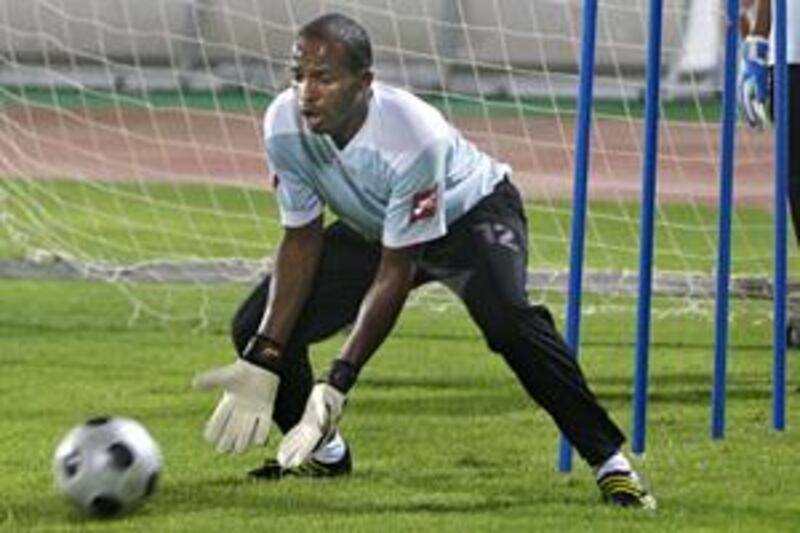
[(752, 85), (323, 411), (244, 414)]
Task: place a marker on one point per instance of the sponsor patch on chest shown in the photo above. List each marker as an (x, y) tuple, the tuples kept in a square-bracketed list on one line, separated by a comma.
[(424, 204)]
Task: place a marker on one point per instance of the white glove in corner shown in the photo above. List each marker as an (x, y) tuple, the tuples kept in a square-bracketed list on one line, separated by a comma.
[(244, 414), (753, 89), (323, 411)]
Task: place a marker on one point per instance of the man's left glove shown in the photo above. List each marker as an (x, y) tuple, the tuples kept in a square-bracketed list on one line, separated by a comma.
[(323, 411), (244, 414), (753, 87)]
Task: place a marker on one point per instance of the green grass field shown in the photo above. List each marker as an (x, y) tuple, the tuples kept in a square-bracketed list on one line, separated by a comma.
[(444, 439), (145, 221)]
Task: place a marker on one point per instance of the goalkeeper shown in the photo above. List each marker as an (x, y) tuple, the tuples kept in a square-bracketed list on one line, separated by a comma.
[(416, 203), (755, 87)]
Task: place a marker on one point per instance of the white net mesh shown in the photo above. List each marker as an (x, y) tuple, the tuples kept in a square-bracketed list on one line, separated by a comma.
[(130, 137)]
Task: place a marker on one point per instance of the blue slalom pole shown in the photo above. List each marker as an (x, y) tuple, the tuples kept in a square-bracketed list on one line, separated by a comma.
[(579, 198), (725, 208), (781, 170), (649, 171)]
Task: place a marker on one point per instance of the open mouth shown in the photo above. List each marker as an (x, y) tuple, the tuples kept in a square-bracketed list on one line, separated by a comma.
[(312, 118)]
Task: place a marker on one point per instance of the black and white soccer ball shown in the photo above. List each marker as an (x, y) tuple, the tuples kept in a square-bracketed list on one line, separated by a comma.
[(107, 466)]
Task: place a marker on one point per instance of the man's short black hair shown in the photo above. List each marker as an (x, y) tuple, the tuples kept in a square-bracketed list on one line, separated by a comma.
[(338, 27)]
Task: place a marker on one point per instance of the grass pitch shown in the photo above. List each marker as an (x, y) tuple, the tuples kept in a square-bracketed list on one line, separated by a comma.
[(443, 437), (139, 222)]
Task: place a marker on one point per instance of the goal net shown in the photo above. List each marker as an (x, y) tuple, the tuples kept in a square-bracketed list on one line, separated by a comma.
[(130, 143)]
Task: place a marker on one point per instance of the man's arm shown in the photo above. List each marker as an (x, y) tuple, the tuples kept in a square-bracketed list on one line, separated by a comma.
[(293, 273), (378, 313), (381, 306), (243, 415), (753, 84), (763, 18)]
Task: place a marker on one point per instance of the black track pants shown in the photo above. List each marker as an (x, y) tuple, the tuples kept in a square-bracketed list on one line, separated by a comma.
[(483, 259)]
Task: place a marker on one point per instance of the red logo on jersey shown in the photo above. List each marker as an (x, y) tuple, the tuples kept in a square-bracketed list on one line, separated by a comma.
[(423, 205)]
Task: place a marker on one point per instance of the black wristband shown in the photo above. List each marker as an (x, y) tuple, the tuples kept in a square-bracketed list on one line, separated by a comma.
[(342, 376), (263, 352)]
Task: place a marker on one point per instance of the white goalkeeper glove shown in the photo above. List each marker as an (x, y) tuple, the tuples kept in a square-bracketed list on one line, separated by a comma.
[(244, 414), (323, 411), (753, 87)]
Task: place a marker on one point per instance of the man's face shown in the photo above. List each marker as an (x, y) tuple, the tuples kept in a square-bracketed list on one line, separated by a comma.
[(328, 92)]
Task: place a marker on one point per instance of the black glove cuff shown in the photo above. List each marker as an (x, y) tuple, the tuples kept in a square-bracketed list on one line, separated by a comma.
[(263, 352), (342, 376)]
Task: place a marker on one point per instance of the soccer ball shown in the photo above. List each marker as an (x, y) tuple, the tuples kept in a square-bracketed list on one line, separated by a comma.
[(107, 466)]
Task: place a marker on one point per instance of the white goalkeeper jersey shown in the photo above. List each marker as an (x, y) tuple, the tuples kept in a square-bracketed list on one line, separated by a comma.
[(792, 33), (401, 180)]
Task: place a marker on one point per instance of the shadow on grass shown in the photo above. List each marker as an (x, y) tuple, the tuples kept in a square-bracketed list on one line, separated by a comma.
[(224, 497), (672, 345), (465, 406), (686, 396), (368, 498), (363, 493), (589, 342), (464, 397)]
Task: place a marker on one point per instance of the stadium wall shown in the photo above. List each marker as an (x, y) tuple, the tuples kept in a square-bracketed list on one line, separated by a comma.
[(197, 34)]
